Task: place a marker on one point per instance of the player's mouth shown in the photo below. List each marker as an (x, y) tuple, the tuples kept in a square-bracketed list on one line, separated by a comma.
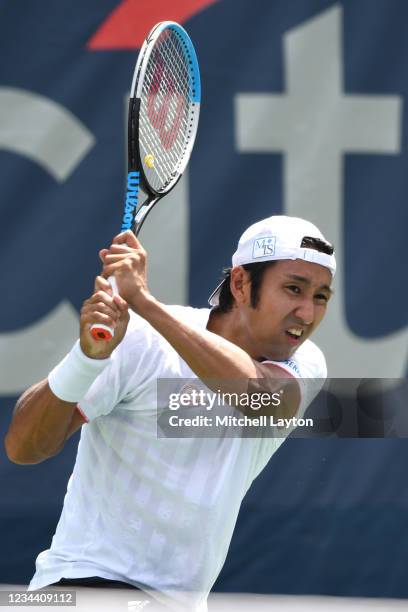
[(294, 335)]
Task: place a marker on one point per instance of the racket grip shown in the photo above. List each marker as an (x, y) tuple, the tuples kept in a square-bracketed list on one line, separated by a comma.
[(99, 331)]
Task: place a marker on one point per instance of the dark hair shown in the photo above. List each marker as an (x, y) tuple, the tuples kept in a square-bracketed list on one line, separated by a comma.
[(256, 274)]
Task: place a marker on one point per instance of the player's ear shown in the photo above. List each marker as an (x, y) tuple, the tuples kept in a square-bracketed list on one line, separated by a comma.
[(240, 285)]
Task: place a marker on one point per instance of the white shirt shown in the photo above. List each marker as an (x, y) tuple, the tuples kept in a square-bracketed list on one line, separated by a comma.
[(158, 513)]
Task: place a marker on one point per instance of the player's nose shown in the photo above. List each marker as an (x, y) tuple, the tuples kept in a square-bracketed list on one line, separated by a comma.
[(305, 311)]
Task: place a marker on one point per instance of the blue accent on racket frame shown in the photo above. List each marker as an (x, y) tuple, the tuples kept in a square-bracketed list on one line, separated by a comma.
[(132, 200), (195, 90)]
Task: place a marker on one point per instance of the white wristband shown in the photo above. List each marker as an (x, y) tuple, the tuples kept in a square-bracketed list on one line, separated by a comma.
[(72, 377)]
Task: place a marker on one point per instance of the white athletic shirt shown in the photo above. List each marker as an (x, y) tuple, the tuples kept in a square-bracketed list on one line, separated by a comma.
[(157, 513)]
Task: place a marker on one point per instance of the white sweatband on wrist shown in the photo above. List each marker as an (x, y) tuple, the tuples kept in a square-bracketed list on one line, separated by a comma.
[(73, 376)]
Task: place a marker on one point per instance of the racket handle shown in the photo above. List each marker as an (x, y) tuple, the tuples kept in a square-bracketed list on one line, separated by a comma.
[(99, 331)]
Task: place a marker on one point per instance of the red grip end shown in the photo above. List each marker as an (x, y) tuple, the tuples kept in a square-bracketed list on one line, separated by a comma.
[(101, 334)]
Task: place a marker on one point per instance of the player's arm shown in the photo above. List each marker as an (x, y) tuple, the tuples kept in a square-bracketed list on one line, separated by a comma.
[(41, 423), (46, 415), (224, 366), (220, 363)]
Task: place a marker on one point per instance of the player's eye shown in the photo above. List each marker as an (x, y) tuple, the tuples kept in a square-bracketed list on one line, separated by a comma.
[(294, 289), (322, 297)]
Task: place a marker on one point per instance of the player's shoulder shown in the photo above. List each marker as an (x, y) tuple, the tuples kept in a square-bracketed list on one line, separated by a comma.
[(193, 316), (309, 357), (307, 361), (189, 314), (144, 342)]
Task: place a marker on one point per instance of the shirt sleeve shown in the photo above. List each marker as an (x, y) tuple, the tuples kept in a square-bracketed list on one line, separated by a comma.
[(308, 366), (104, 393), (122, 376)]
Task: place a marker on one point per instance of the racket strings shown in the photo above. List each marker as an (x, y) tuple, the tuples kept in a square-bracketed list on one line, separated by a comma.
[(183, 80), (171, 95), (168, 109)]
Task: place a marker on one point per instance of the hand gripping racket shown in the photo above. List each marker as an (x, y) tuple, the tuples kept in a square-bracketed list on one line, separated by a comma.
[(164, 107)]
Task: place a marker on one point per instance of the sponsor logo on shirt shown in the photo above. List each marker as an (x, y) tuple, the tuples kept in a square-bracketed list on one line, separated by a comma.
[(293, 366), (191, 390)]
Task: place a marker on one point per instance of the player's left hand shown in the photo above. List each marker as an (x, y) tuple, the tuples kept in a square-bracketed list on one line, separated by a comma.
[(126, 261)]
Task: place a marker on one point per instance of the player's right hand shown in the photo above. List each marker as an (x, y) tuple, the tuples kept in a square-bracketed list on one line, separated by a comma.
[(103, 307)]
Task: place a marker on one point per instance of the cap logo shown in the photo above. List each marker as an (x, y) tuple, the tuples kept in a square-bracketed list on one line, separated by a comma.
[(264, 247)]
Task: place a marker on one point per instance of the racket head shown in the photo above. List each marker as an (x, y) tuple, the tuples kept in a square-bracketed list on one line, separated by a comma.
[(164, 107)]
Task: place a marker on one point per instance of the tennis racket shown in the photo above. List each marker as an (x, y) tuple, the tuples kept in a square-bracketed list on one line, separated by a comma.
[(164, 108)]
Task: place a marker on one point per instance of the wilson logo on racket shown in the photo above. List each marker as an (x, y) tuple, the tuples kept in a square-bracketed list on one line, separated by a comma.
[(132, 199), (159, 104)]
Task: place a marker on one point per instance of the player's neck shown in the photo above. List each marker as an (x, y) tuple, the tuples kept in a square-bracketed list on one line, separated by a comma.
[(227, 325)]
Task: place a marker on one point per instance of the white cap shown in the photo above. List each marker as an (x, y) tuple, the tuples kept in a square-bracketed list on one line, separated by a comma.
[(279, 237)]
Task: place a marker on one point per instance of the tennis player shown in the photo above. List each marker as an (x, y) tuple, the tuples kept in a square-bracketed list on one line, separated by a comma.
[(153, 513)]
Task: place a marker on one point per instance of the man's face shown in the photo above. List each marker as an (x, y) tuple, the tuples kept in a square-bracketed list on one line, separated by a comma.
[(292, 301)]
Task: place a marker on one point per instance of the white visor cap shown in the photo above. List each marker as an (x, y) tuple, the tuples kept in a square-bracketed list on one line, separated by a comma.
[(279, 237)]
